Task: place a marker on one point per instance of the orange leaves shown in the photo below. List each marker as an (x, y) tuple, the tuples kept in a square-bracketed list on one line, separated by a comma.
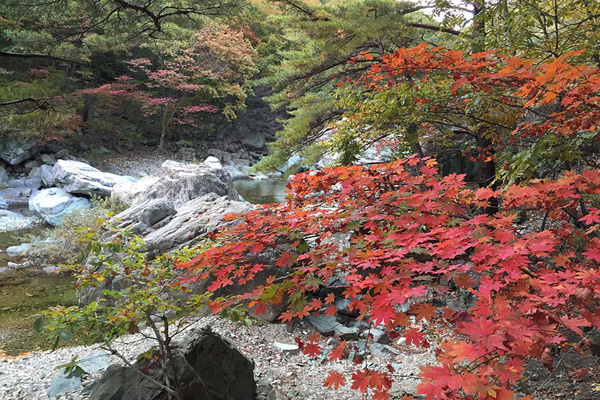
[(285, 260), (511, 80), (338, 352), (334, 380), (370, 379), (424, 311)]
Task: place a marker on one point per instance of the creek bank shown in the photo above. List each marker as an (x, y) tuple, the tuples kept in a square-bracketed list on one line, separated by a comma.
[(294, 375)]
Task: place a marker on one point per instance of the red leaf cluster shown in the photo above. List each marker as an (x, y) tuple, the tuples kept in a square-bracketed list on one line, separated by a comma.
[(401, 235)]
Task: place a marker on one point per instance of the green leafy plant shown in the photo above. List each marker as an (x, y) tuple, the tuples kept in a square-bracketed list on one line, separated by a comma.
[(148, 299)]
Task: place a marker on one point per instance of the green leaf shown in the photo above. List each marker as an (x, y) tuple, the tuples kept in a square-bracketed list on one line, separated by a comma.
[(39, 323), (65, 337)]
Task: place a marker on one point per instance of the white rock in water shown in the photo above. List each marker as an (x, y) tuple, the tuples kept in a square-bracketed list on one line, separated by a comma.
[(178, 183), (213, 162), (18, 251), (80, 178), (55, 204)]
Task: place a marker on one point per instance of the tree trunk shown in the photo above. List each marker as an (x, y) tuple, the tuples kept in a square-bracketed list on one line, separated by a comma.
[(163, 131)]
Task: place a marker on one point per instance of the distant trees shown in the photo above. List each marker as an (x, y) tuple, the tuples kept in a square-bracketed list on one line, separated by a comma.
[(209, 74), (52, 49)]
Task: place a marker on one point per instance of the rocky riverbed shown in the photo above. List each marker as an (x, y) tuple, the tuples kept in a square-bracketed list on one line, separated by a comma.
[(295, 375), (164, 206)]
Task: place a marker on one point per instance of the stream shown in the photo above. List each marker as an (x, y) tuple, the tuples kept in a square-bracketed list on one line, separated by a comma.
[(24, 293)]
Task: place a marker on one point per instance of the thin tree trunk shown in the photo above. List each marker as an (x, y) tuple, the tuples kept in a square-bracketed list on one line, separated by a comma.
[(163, 131)]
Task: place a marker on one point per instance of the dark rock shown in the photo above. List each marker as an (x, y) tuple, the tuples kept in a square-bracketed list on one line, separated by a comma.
[(342, 306), (208, 367), (383, 350), (345, 333), (379, 336), (48, 159), (324, 324), (16, 150), (46, 176), (3, 176)]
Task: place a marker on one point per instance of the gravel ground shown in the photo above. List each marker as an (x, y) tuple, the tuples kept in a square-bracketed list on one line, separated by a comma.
[(137, 163), (9, 224), (297, 376)]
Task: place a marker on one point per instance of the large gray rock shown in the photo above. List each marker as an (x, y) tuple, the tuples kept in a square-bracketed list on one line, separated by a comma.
[(192, 222), (142, 218), (80, 178), (16, 150), (178, 183), (55, 204), (46, 176), (3, 176), (163, 229), (207, 366)]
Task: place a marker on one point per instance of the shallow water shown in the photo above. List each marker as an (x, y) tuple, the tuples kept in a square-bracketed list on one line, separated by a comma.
[(23, 294), (261, 191)]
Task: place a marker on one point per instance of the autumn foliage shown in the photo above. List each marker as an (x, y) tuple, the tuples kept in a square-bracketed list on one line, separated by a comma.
[(515, 82), (530, 117), (411, 237)]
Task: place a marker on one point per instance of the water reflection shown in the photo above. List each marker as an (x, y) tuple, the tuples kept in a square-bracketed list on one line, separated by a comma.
[(261, 191)]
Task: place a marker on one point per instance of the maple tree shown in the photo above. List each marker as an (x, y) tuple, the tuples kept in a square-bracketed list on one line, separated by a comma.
[(203, 78), (530, 118), (412, 236)]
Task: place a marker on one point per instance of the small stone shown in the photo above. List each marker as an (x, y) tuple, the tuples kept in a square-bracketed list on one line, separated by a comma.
[(287, 348), (324, 324), (383, 350), (345, 333), (18, 251)]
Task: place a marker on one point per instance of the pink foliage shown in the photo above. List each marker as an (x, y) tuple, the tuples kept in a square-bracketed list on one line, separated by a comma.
[(197, 109)]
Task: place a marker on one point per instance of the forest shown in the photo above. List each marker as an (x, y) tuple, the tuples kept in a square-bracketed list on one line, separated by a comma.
[(439, 233)]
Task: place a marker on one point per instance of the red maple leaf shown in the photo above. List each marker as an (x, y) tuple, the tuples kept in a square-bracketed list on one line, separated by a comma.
[(338, 352), (414, 336), (334, 380), (312, 349)]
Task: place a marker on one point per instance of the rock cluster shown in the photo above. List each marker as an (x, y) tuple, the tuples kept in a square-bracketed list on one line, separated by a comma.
[(208, 367)]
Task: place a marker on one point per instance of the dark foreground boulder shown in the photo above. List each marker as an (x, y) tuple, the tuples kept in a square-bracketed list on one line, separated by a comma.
[(208, 366)]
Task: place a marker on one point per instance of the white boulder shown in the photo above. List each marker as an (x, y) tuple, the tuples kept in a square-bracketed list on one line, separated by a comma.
[(80, 178), (55, 204), (177, 183), (213, 162)]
